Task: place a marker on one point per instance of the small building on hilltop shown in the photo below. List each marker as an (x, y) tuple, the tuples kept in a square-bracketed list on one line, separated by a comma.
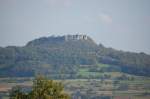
[(75, 37)]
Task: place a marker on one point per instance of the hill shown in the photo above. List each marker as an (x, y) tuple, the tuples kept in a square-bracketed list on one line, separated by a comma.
[(69, 55)]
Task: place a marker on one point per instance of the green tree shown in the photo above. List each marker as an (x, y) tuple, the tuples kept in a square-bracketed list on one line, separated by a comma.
[(16, 93), (42, 89)]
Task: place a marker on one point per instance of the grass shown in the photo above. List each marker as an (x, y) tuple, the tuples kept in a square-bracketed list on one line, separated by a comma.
[(100, 65), (84, 72)]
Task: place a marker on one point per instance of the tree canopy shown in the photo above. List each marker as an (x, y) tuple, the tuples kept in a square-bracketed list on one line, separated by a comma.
[(42, 89), (47, 56)]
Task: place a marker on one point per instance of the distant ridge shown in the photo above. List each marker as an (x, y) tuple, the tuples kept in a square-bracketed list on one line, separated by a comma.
[(63, 38), (56, 54)]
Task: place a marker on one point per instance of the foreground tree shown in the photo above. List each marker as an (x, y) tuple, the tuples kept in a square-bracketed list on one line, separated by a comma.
[(42, 89)]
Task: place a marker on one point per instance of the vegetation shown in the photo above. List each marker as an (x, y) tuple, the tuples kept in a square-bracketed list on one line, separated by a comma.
[(42, 89), (111, 85), (90, 71), (111, 88), (54, 55)]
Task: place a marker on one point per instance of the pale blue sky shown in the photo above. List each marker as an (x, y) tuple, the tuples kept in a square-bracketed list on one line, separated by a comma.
[(121, 24)]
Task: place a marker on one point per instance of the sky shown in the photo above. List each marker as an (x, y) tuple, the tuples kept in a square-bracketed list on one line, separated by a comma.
[(120, 24)]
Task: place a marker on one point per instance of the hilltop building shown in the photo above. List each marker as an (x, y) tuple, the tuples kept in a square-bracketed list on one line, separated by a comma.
[(75, 37)]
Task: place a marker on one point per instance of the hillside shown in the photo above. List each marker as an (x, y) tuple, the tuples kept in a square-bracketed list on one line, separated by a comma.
[(68, 55)]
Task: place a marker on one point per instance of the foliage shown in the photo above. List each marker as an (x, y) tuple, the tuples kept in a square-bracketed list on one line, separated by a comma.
[(51, 55), (42, 89)]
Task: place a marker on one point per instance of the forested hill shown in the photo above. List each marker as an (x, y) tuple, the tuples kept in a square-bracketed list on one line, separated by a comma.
[(67, 54)]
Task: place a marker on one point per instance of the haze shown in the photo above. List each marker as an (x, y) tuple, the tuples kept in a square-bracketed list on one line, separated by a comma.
[(120, 24)]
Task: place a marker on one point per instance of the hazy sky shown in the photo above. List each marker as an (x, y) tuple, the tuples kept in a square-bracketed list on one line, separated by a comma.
[(121, 24)]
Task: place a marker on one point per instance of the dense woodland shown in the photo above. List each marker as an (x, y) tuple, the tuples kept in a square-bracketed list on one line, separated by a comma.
[(54, 55)]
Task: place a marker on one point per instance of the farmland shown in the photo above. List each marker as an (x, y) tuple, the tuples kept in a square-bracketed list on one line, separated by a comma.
[(91, 83), (111, 88)]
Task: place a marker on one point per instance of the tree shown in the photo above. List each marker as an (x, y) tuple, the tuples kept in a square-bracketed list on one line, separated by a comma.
[(42, 89), (16, 93)]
